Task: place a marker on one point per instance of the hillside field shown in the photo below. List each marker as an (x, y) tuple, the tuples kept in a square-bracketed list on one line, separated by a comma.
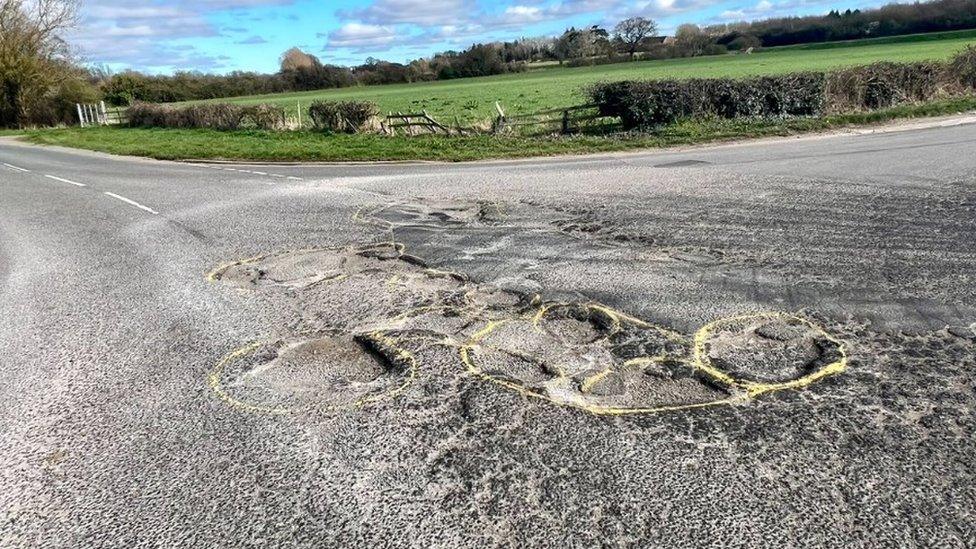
[(473, 99)]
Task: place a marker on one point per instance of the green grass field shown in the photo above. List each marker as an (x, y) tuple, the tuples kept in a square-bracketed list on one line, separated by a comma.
[(178, 144), (473, 99)]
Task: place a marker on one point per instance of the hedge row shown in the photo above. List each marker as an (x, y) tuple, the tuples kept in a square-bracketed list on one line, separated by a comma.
[(333, 116), (343, 116), (648, 104), (217, 116)]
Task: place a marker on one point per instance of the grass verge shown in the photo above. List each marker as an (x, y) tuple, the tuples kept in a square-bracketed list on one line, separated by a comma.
[(173, 144)]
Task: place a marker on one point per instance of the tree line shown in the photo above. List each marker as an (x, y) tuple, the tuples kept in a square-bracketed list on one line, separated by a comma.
[(888, 20), (635, 37), (39, 82)]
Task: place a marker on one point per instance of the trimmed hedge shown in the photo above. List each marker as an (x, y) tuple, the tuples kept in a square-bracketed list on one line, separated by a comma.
[(215, 116), (652, 103), (646, 104), (343, 116)]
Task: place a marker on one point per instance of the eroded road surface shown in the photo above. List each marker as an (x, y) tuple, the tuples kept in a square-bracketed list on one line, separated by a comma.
[(768, 344)]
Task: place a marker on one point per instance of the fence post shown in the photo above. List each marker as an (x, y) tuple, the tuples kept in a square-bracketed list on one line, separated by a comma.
[(299, 115), (500, 123), (81, 117), (104, 113)]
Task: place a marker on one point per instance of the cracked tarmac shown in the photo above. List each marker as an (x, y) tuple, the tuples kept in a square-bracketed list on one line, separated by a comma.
[(759, 345)]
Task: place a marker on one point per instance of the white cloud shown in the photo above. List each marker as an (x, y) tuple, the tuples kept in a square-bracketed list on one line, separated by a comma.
[(132, 33), (415, 12), (362, 36)]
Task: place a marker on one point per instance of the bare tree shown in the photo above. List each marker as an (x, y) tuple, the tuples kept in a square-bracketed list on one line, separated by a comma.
[(33, 55), (692, 40), (632, 32), (295, 59)]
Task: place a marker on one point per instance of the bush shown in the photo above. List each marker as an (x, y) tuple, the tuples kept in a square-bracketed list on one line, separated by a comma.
[(343, 116), (962, 68), (648, 104), (215, 116), (882, 85), (265, 117)]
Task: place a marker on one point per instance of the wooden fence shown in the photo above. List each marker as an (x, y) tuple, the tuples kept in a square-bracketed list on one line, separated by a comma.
[(563, 120), (420, 123)]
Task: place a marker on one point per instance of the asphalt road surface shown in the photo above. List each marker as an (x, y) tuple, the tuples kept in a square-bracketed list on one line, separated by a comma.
[(766, 344)]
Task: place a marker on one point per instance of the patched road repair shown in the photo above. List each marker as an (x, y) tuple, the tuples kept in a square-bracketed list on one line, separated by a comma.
[(769, 344)]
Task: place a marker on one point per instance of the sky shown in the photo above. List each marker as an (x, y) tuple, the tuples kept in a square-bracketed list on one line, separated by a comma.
[(219, 36)]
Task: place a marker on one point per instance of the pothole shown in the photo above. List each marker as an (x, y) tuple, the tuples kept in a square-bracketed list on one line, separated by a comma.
[(767, 350), (589, 357), (373, 303), (332, 372)]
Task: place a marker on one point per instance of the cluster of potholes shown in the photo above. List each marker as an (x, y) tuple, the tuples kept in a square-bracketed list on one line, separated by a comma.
[(376, 318)]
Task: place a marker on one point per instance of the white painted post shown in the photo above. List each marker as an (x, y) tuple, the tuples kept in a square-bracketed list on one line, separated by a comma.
[(104, 113), (299, 115), (81, 117)]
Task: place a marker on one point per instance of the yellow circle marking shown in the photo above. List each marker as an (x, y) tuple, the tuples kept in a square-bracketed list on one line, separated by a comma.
[(214, 379), (700, 361)]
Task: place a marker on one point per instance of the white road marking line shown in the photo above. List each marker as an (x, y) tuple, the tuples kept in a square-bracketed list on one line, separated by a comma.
[(75, 183), (259, 173), (275, 175), (12, 167), (294, 178), (132, 202)]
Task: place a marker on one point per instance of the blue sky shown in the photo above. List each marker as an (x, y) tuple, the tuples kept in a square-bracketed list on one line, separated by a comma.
[(223, 35)]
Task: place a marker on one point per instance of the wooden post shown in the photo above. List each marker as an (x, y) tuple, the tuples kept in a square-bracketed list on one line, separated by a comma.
[(104, 113), (566, 121), (81, 117), (299, 115)]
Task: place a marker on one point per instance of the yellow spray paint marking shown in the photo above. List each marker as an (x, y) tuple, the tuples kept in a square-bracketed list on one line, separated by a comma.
[(218, 389), (744, 390), (701, 361), (589, 382), (404, 355)]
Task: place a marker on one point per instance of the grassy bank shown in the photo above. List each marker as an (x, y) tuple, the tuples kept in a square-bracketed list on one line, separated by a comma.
[(307, 146), (473, 99)]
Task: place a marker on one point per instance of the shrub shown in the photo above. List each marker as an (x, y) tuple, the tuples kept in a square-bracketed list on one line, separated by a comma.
[(215, 116), (265, 117), (647, 104), (147, 115), (962, 68), (882, 85), (343, 116)]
